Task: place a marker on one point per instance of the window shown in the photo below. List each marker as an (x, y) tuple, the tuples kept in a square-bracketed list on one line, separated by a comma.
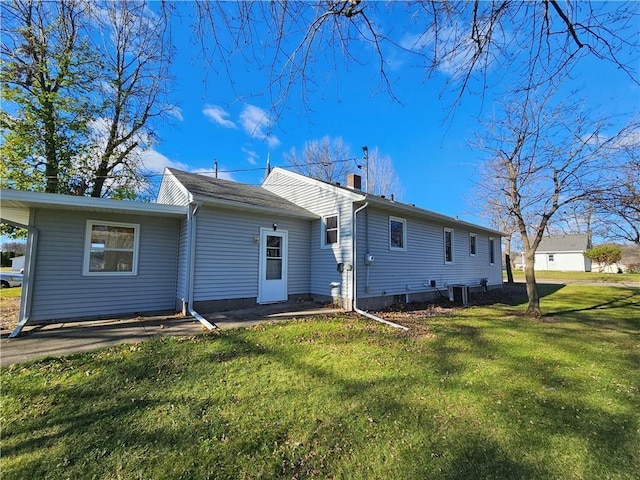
[(448, 245), (472, 244), (551, 257), (274, 258), (492, 251), (397, 233), (111, 248), (330, 231)]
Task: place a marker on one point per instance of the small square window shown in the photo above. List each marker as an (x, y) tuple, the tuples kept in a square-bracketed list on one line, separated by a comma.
[(551, 257), (397, 233), (111, 248), (472, 244), (330, 230), (448, 245)]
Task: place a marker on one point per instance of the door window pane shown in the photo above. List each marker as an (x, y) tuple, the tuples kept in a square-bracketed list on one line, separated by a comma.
[(274, 258)]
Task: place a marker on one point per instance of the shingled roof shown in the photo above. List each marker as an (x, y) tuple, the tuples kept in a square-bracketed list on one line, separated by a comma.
[(218, 191), (564, 243)]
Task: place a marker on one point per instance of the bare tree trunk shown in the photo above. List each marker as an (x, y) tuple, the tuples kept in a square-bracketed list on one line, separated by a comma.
[(507, 259), (533, 309), (507, 262)]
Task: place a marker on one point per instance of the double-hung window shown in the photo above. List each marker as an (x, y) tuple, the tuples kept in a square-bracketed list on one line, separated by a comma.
[(111, 248), (473, 241), (330, 230), (448, 245), (397, 233)]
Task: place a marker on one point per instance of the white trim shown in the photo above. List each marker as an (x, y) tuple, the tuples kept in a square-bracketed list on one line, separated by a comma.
[(492, 251), (404, 234), (284, 234), (475, 244), (444, 246), (87, 249), (23, 199), (323, 231)]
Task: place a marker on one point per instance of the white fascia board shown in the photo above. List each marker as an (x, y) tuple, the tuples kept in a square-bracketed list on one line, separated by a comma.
[(21, 200)]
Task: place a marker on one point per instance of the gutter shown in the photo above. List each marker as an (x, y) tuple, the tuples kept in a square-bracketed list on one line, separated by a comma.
[(190, 276), (27, 279), (355, 276)]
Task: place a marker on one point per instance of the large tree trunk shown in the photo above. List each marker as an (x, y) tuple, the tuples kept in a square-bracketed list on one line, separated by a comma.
[(507, 262), (52, 162), (507, 259), (533, 308)]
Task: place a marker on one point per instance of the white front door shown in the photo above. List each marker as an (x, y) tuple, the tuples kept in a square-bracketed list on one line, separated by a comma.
[(272, 286)]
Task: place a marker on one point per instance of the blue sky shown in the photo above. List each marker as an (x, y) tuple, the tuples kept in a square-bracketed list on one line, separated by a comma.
[(229, 120)]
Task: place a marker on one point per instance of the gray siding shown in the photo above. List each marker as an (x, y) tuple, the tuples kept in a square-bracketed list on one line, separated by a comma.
[(406, 272), (181, 292), (322, 200), (227, 258), (62, 292)]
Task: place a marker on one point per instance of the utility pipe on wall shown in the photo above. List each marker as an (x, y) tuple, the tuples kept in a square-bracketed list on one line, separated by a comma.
[(355, 276), (190, 276), (27, 279)]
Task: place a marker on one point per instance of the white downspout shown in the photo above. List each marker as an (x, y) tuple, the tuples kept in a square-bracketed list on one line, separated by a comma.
[(191, 231), (354, 242), (27, 280)]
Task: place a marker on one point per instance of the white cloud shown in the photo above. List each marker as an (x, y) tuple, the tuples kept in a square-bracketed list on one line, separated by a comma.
[(252, 157), (256, 122), (175, 112), (208, 173), (155, 162), (218, 115), (454, 48)]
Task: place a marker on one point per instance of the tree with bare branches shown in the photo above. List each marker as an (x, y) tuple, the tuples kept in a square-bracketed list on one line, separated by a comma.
[(329, 159), (475, 44), (544, 155), (82, 84), (617, 204)]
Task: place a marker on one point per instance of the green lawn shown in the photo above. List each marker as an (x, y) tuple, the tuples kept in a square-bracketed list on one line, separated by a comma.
[(541, 276), (479, 393)]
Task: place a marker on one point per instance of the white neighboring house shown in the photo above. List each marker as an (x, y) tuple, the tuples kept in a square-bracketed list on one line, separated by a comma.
[(563, 253), (17, 264)]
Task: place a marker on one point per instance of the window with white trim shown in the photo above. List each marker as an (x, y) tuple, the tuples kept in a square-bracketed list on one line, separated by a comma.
[(473, 242), (397, 233), (111, 248), (330, 230), (448, 245), (492, 251), (551, 257)]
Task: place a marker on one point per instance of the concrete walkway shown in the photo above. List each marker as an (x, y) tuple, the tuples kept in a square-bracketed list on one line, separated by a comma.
[(58, 339)]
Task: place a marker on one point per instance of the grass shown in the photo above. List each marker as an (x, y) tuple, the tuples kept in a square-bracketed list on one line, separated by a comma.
[(541, 276), (481, 393), (13, 292)]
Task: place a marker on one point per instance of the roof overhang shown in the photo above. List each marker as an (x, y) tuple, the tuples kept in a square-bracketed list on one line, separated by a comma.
[(16, 204), (397, 207), (247, 207)]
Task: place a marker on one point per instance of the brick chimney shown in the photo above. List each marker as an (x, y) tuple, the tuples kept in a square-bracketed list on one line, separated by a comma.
[(354, 181)]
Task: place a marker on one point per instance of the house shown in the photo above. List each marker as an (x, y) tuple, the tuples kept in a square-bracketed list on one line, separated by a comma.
[(401, 253), (210, 244), (17, 264), (563, 252)]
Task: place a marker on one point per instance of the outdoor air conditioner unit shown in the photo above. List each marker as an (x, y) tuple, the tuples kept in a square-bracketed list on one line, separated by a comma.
[(459, 294)]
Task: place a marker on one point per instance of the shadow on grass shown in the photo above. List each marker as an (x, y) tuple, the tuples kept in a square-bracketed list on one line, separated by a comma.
[(513, 294), (209, 408)]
